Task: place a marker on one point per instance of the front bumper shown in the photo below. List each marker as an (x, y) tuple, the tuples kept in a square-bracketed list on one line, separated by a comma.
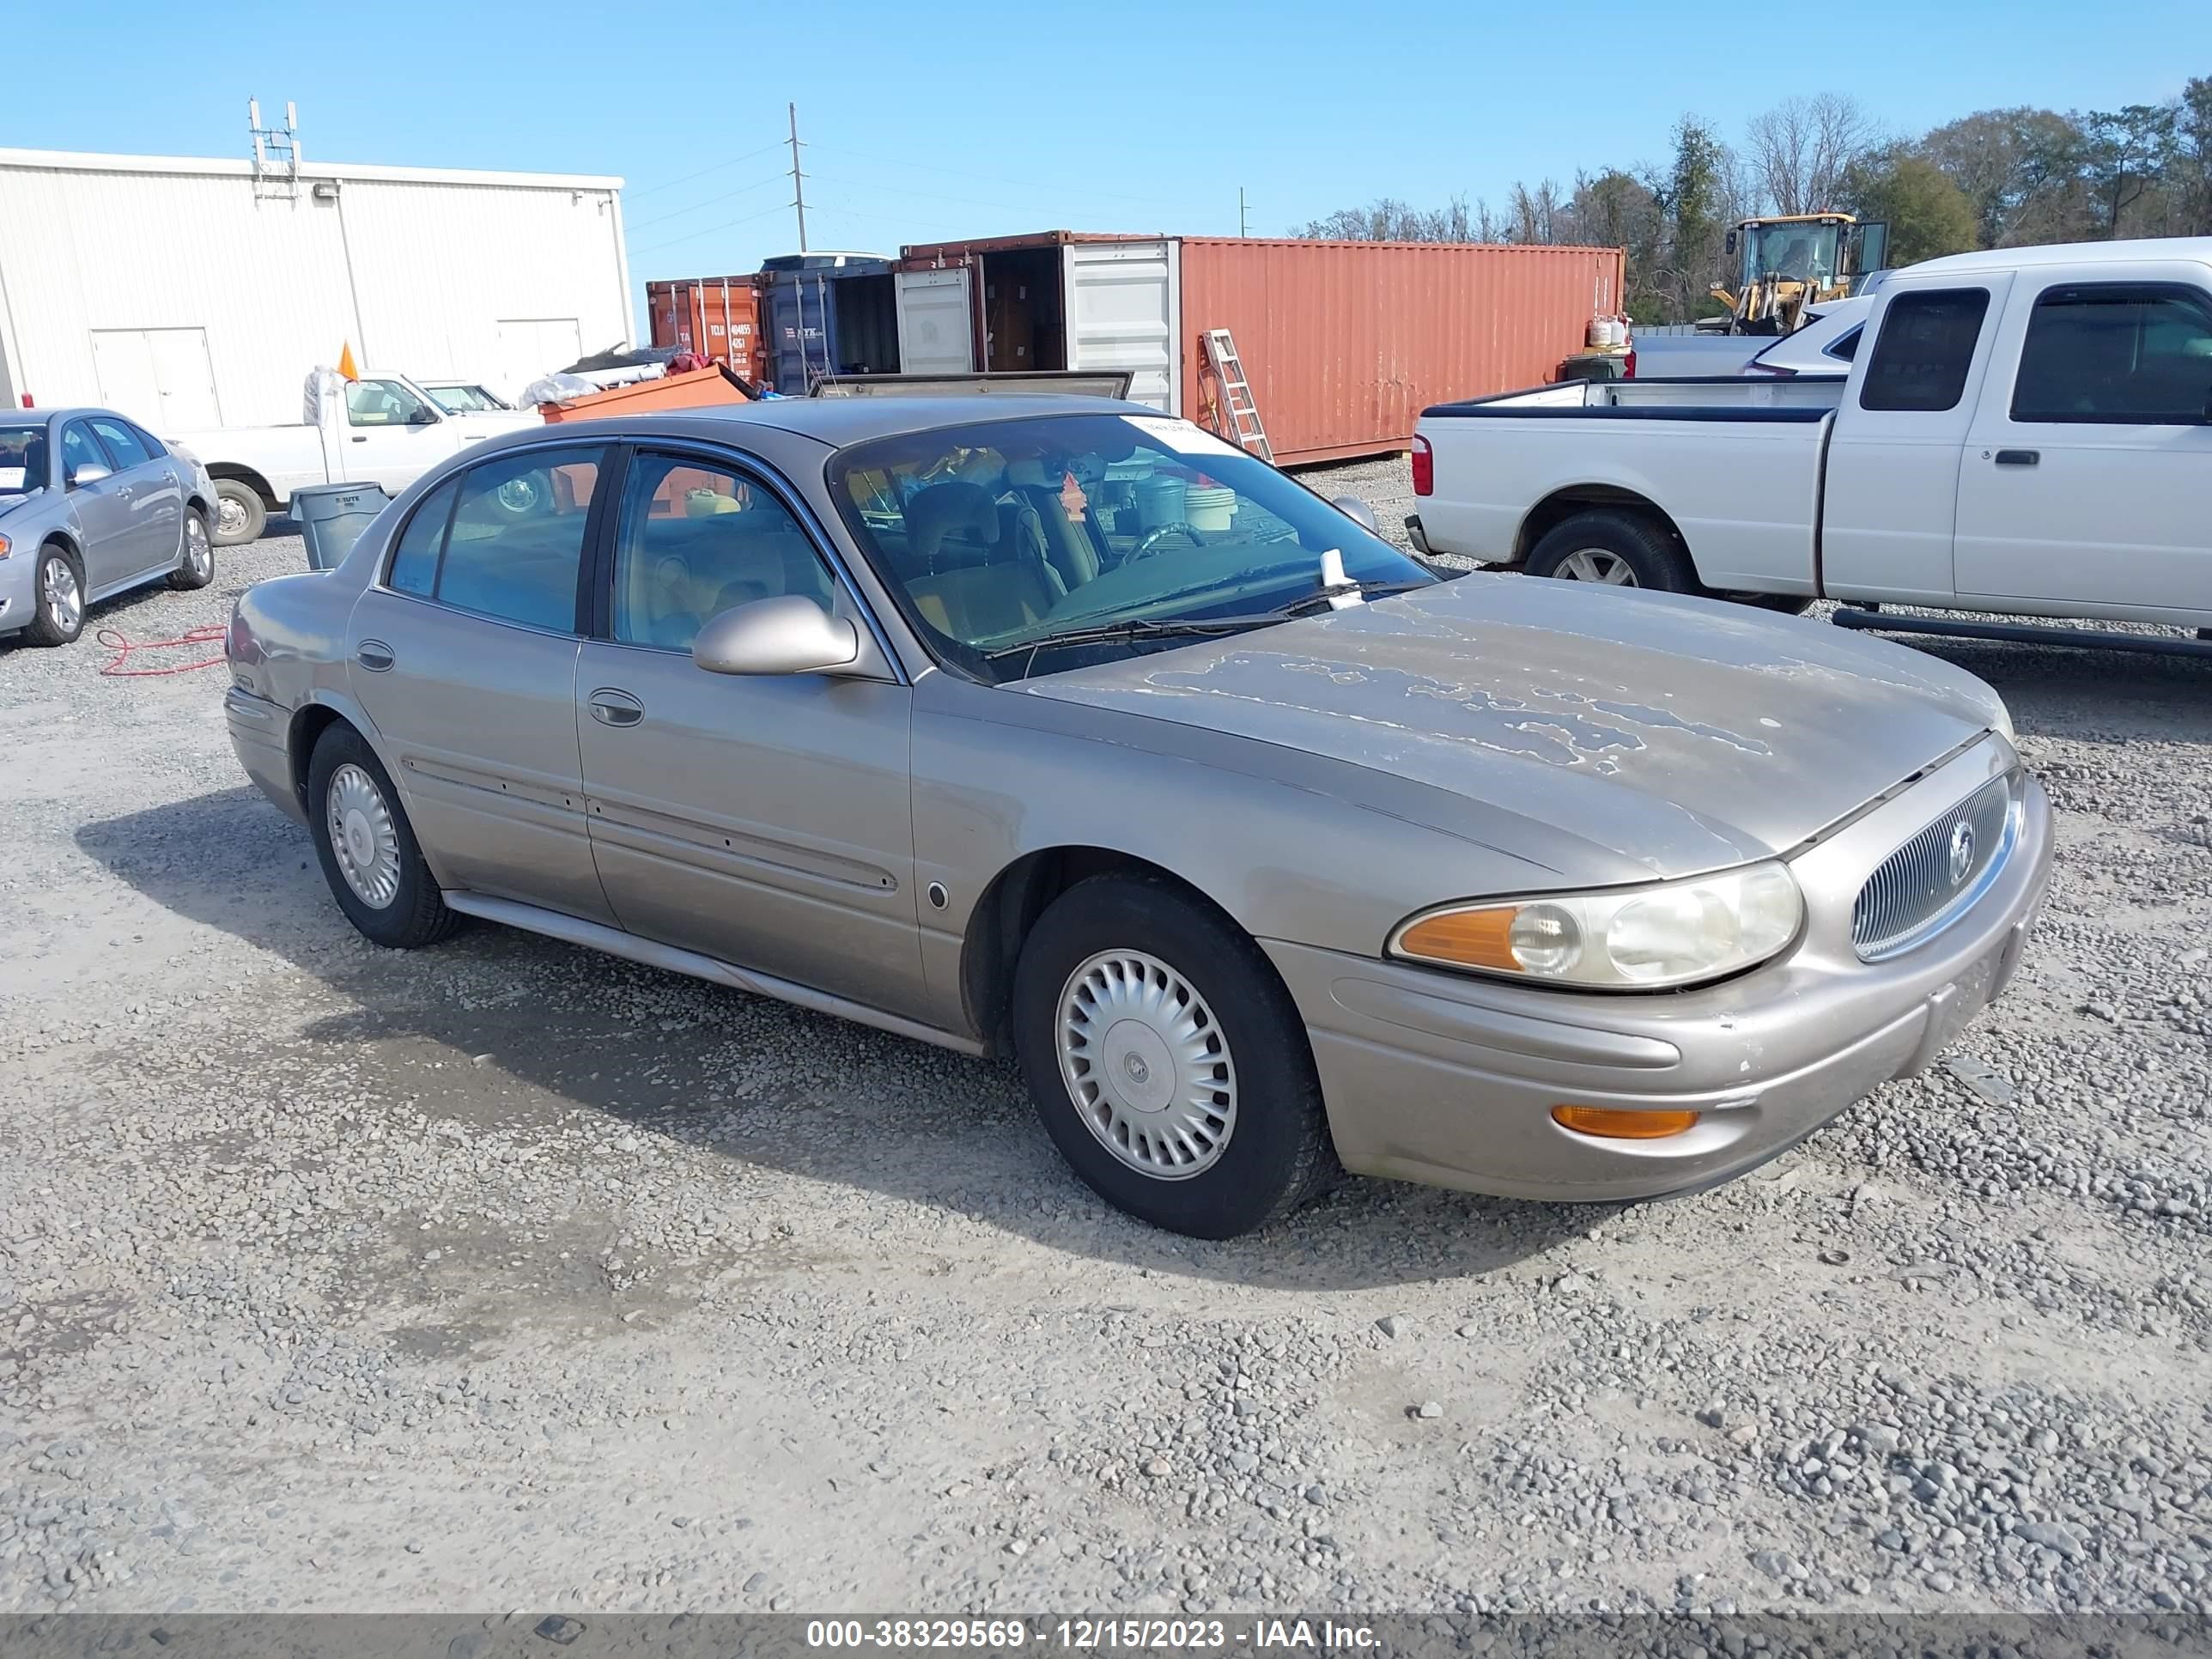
[(1450, 1080)]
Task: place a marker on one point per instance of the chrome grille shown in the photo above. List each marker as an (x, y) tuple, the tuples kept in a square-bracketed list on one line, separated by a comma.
[(1925, 884)]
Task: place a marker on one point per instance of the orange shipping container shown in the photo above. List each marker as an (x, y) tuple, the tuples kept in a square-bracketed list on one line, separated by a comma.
[(1346, 342), (717, 317)]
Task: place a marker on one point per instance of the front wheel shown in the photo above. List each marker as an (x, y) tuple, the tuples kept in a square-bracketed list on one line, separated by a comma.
[(57, 598), (367, 848), (241, 514), (1168, 1063), (1617, 550), (196, 566)]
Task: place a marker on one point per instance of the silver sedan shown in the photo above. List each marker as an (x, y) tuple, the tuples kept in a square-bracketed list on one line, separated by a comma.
[(91, 506), (1056, 727)]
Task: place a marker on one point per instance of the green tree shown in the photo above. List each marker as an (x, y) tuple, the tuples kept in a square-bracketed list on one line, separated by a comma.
[(1927, 214), (2193, 139), (1692, 195), (2129, 151), (2020, 169)]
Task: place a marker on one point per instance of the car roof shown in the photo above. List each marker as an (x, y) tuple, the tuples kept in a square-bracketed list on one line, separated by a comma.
[(78, 412), (839, 421), (2196, 249)]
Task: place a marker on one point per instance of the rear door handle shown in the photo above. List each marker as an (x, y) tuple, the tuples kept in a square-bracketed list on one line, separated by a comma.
[(374, 655), (613, 708), (2018, 457), (359, 438)]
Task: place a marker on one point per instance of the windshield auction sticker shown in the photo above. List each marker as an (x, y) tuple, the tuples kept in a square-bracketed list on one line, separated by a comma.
[(1181, 435)]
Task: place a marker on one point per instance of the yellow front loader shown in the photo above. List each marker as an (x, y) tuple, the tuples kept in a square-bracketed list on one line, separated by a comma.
[(1788, 261)]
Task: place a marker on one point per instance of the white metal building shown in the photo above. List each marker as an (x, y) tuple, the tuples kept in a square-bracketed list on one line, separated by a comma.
[(191, 293)]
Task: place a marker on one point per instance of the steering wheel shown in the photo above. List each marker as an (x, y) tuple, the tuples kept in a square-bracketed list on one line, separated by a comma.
[(1148, 544)]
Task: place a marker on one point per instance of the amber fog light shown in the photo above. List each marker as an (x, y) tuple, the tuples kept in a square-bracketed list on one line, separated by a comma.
[(1609, 1125)]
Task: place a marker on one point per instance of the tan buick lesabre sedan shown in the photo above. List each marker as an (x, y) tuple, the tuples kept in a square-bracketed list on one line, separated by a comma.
[(1054, 726)]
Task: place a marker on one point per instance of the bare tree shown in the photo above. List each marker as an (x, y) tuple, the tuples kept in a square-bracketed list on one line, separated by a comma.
[(1536, 215), (1800, 149)]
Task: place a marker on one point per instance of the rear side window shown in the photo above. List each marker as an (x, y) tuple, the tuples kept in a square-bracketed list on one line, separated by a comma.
[(1845, 346), (122, 443), (2117, 352), (515, 546), (415, 560), (1926, 347)]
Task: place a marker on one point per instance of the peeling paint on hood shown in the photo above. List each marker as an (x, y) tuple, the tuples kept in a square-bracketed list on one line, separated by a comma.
[(1680, 735)]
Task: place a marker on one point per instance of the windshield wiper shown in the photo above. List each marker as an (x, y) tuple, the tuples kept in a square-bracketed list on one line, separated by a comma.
[(1134, 628), (1328, 596)]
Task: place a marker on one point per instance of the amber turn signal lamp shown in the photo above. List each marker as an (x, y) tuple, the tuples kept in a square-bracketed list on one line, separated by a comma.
[(1609, 1125), (1479, 938)]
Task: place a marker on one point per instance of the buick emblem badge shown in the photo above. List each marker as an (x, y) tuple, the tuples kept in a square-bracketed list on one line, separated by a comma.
[(1962, 853)]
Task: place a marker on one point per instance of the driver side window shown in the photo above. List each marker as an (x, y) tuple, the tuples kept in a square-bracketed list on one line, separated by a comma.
[(380, 402), (80, 449), (698, 539)]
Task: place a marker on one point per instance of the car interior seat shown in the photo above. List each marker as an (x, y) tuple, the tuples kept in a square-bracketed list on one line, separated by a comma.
[(976, 571)]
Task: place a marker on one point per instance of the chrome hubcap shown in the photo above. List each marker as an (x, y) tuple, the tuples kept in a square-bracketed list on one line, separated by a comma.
[(229, 515), (1147, 1066), (1595, 564), (65, 598), (363, 837), (196, 546), (517, 494)]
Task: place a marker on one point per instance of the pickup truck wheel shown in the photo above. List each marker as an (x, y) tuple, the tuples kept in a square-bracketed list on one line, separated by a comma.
[(1166, 1060), (241, 514), (367, 848), (1619, 550), (524, 496)]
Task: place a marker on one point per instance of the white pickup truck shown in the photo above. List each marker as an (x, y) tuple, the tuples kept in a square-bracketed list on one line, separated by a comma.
[(2026, 431), (383, 428)]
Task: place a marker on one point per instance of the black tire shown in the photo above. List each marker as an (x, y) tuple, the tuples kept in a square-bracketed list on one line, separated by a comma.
[(416, 914), (1277, 1154), (196, 569), (252, 517), (526, 495), (1786, 604), (1652, 556), (50, 626)]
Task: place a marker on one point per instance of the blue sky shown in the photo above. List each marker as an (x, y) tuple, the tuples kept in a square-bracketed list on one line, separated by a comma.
[(932, 118)]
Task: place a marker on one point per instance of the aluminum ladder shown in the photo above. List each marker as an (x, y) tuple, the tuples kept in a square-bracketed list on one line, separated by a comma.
[(1238, 412)]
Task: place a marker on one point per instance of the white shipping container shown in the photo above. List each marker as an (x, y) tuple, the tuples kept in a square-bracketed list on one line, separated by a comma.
[(191, 292)]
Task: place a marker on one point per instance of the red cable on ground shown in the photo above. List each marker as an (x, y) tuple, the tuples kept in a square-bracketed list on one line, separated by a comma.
[(122, 647)]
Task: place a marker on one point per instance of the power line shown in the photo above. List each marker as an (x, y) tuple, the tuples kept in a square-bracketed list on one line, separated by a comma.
[(987, 178), (662, 219), (652, 189), (933, 195), (726, 224)]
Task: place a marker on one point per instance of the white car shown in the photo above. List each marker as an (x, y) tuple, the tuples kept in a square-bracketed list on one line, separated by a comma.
[(2027, 431), (1824, 344), (381, 428)]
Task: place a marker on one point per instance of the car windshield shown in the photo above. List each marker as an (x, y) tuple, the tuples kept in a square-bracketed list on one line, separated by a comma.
[(1010, 534), (22, 456), (463, 399)]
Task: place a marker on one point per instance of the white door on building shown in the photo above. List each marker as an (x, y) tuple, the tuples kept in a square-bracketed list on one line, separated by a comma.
[(936, 330), (531, 347), (162, 378)]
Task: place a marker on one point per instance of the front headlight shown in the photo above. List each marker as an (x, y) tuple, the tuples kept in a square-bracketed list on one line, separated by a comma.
[(2002, 724), (1676, 932)]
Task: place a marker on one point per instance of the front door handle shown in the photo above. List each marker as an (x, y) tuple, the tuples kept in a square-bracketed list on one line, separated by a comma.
[(613, 708), (374, 655), (2018, 457), (360, 438)]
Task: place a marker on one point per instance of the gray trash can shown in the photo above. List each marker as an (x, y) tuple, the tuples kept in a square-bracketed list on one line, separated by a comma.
[(331, 517)]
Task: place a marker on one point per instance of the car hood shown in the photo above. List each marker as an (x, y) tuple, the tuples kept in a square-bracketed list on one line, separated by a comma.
[(1676, 735)]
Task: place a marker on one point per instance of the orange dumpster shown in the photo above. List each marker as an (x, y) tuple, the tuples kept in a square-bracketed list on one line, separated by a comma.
[(702, 388)]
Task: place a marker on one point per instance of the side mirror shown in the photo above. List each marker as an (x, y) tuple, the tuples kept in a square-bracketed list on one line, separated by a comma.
[(91, 472), (1359, 512), (1727, 245), (424, 415), (789, 634)]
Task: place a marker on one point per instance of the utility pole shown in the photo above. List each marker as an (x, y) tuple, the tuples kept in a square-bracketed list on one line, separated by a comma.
[(798, 179), (1242, 229)]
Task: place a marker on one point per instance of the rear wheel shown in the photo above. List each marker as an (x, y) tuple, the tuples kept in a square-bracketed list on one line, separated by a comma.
[(1166, 1060), (1617, 550), (196, 569), (241, 514), (57, 598), (367, 848)]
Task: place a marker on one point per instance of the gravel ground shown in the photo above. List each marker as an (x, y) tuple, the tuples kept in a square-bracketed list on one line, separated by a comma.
[(504, 1274)]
